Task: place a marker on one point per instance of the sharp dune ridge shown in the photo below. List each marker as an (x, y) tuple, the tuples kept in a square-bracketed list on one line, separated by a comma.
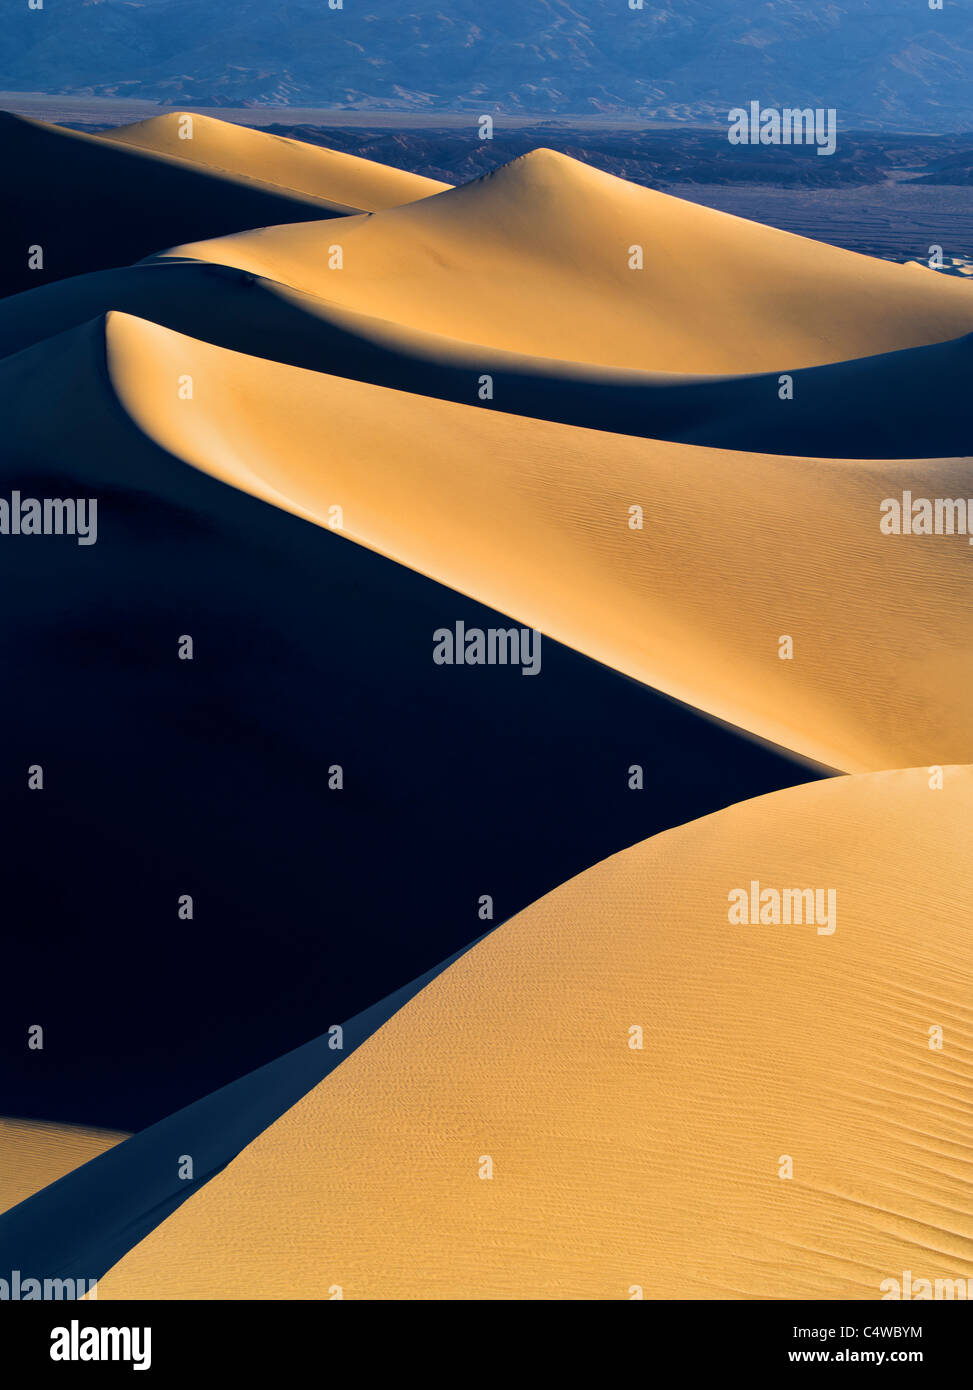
[(229, 156), (535, 257), (870, 408), (36, 1154), (97, 1205), (119, 156), (124, 374), (314, 170), (881, 625), (297, 632), (656, 1167)]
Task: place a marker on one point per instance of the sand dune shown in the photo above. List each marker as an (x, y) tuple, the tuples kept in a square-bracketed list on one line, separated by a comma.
[(532, 518), (534, 258), (165, 776), (89, 203), (34, 1154), (874, 407), (78, 1227), (658, 1170), (275, 159)]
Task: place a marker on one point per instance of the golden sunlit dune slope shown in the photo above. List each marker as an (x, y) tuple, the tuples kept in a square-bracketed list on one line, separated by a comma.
[(535, 258), (275, 159), (766, 1050), (532, 518), (34, 1154)]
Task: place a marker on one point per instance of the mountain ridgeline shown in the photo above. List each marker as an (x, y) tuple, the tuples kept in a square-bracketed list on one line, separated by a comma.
[(883, 63)]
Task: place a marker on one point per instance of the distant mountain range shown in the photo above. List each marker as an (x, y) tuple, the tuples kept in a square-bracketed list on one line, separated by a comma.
[(889, 63)]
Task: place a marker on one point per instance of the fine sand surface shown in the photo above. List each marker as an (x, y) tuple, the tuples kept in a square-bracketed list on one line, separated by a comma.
[(532, 518), (875, 407), (78, 1227), (34, 1154), (274, 159), (535, 258), (617, 1169)]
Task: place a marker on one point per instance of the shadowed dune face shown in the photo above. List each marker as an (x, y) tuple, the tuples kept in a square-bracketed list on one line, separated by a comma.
[(660, 1167), (535, 258), (871, 408), (35, 1154), (275, 159), (737, 549), (211, 777)]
